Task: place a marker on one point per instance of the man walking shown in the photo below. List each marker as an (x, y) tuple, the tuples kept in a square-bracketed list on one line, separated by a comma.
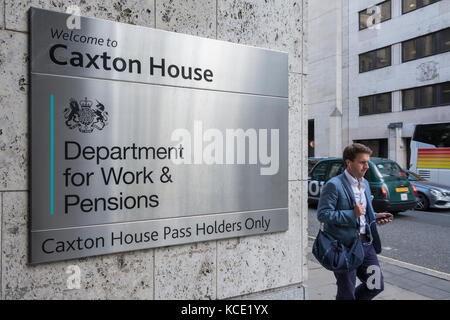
[(345, 208)]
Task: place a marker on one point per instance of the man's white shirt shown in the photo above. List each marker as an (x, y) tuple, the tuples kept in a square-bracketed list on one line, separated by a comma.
[(359, 189)]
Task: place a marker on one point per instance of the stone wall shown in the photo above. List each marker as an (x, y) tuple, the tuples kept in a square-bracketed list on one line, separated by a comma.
[(267, 266)]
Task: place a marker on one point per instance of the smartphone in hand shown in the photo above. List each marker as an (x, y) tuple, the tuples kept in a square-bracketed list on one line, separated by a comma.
[(390, 218)]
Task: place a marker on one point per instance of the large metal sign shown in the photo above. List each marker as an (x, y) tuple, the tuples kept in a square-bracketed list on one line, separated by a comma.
[(144, 138)]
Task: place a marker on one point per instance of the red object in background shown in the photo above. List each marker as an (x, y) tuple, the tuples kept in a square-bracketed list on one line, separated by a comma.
[(402, 174), (383, 190), (415, 189)]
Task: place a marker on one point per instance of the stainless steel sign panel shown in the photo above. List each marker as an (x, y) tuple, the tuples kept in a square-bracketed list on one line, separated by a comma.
[(111, 50), (152, 154)]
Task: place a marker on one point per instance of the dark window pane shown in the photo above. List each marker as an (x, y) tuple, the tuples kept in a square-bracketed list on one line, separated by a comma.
[(363, 20), (365, 62), (409, 5), (427, 2), (428, 45), (336, 169), (409, 99), (365, 105), (445, 93), (319, 172), (435, 134), (385, 11), (375, 15), (427, 96), (383, 103), (409, 50), (445, 40), (389, 169), (383, 57)]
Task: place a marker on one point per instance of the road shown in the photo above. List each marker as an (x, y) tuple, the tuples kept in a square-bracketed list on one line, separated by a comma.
[(418, 237)]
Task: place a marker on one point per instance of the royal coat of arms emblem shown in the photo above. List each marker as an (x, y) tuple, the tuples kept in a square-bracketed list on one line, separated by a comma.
[(84, 116)]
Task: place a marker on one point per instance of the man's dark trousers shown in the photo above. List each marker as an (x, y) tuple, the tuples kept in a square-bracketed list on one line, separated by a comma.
[(346, 281)]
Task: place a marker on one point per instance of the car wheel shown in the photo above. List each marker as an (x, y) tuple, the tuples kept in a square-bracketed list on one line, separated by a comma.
[(422, 202)]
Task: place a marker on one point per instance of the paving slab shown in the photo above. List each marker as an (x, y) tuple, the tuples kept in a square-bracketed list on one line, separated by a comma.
[(432, 292)]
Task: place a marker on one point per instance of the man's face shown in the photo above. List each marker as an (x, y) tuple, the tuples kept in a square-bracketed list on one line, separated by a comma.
[(359, 166)]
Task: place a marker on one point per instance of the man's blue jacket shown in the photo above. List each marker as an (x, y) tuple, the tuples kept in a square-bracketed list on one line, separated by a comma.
[(335, 210)]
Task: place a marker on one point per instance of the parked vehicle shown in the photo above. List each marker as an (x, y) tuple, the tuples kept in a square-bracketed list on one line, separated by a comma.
[(312, 162), (429, 194), (388, 183)]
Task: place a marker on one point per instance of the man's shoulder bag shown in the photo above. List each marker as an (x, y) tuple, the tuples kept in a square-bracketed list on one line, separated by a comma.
[(334, 256)]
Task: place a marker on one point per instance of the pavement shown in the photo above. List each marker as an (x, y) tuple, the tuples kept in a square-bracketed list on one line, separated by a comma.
[(402, 281)]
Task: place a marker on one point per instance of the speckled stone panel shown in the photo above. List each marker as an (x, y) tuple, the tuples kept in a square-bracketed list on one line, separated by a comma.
[(304, 131), (14, 89), (257, 263), (295, 90), (295, 125), (128, 11), (119, 276), (304, 228), (305, 36), (273, 24), (186, 272), (195, 17), (2, 14)]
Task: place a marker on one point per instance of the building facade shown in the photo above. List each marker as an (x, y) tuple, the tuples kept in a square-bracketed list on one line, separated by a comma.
[(264, 266), (391, 70)]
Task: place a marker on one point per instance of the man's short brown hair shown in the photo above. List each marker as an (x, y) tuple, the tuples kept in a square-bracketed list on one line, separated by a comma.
[(352, 150)]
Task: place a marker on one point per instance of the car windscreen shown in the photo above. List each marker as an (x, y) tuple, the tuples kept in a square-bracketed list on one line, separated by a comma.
[(390, 169)]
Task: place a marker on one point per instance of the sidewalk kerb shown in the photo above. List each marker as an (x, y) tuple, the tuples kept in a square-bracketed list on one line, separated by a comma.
[(412, 267)]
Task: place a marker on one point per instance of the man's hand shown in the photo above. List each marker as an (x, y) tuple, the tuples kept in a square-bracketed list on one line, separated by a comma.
[(359, 210), (384, 218)]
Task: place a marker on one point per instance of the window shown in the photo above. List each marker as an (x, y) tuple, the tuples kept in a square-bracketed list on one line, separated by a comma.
[(444, 40), (409, 99), (445, 93), (311, 138), (365, 105), (409, 50), (336, 169), (427, 96), (379, 103), (376, 59), (379, 147), (320, 172), (383, 103), (435, 134), (365, 62), (383, 57), (411, 5), (427, 2), (427, 45), (389, 169), (374, 15)]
